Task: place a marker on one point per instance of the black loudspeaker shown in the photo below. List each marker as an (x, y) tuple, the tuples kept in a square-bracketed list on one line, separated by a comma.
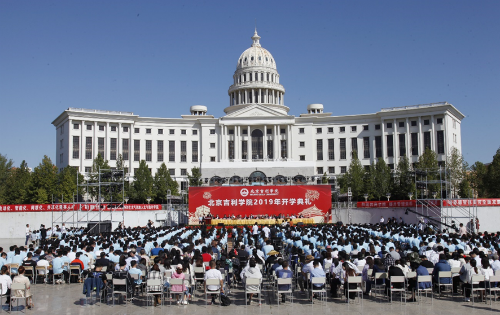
[(99, 227), (340, 223), (300, 223), (220, 224)]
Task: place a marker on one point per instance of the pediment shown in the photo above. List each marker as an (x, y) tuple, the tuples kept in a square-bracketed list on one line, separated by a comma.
[(255, 111)]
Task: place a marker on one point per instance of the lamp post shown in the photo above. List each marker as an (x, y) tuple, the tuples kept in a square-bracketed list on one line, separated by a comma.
[(127, 199), (434, 194), (148, 199), (366, 197), (410, 194), (388, 195)]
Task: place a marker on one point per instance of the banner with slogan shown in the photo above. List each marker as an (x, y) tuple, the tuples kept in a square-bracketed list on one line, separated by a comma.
[(308, 201), (71, 206), (483, 202)]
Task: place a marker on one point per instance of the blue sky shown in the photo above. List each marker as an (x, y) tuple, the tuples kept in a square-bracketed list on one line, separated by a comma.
[(157, 58)]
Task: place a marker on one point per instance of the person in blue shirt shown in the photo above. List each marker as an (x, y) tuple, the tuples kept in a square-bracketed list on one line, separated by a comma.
[(441, 265), (135, 271), (317, 271), (285, 272), (57, 266), (412, 283)]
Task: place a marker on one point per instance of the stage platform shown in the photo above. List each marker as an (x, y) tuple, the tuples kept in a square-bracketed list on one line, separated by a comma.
[(260, 221)]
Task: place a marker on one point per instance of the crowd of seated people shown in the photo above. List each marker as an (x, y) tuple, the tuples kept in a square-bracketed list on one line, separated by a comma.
[(335, 252)]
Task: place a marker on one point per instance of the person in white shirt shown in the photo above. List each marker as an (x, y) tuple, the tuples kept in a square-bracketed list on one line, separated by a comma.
[(382, 220), (28, 234), (214, 273), (5, 283)]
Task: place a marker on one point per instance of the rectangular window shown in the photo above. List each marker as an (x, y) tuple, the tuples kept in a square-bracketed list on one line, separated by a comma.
[(212, 145), (365, 127), (100, 147), (89, 127), (377, 127), (125, 129), (331, 170), (88, 169), (269, 131), (125, 149), (61, 143), (244, 147), (330, 129), (101, 127), (183, 131), (343, 154), (343, 169), (76, 126), (148, 130), (231, 131), (283, 149), (354, 128), (137, 150), (319, 130), (413, 123), (426, 122), (342, 129), (391, 166), (212, 131), (171, 171), (378, 146), (195, 132), (320, 170), (112, 149), (136, 130), (439, 121), (183, 172), (302, 144), (76, 147), (282, 131), (440, 142), (301, 130), (302, 157), (113, 128), (244, 131), (149, 150), (171, 151), (230, 149), (159, 150), (212, 159), (401, 124), (194, 151), (319, 149), (389, 125), (427, 140), (183, 151), (88, 148), (354, 147), (366, 147), (160, 131), (270, 150), (331, 149), (402, 144), (414, 143), (171, 131), (390, 145)]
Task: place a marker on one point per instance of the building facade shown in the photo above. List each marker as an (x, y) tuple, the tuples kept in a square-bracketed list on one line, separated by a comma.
[(256, 133)]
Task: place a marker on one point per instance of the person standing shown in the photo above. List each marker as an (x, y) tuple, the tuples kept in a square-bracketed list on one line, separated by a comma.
[(382, 220), (28, 234), (43, 233)]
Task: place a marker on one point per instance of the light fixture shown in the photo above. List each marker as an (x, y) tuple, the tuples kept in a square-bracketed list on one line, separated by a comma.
[(366, 197)]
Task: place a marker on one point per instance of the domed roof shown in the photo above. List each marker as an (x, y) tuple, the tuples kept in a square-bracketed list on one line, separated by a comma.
[(256, 56)]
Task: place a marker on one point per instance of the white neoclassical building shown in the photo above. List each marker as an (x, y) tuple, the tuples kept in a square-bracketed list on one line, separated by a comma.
[(256, 133)]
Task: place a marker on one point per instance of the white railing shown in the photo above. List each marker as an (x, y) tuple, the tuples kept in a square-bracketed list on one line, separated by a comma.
[(99, 111), (389, 109)]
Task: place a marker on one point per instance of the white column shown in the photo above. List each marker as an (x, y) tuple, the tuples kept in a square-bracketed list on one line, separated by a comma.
[(395, 143), (445, 122), (274, 98), (433, 135), (265, 143), (249, 145), (82, 146), (420, 137), (373, 156), (223, 155), (289, 142), (253, 96), (408, 140), (260, 96), (384, 143), (236, 142), (276, 141)]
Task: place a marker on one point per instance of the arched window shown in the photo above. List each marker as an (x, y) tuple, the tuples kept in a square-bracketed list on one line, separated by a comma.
[(257, 177), (279, 180), (299, 179), (257, 144), (235, 180), (216, 181)]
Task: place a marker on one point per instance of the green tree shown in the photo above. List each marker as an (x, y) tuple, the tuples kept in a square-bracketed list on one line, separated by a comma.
[(142, 187), (18, 185), (456, 171), (5, 172), (354, 178), (44, 182), (99, 164), (162, 183), (195, 177), (382, 179), (120, 165), (428, 163), (403, 180), (493, 176), (477, 179), (67, 186), (324, 179)]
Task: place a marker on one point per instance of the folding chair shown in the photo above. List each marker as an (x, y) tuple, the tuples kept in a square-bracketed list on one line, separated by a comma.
[(358, 290), (41, 272), (120, 282), (54, 275), (252, 285), (430, 270), (402, 291), (445, 275), (426, 290), (30, 272), (136, 277), (154, 287), (75, 271), (215, 282), (284, 281), (378, 287), (197, 279), (173, 282), (475, 281), (321, 290), (13, 268), (14, 287), (493, 289)]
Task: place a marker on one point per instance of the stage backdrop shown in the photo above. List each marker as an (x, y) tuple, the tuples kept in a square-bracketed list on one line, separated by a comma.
[(310, 201)]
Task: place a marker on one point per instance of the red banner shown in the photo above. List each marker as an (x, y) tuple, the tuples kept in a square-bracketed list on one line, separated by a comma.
[(484, 202), (71, 206), (309, 201)]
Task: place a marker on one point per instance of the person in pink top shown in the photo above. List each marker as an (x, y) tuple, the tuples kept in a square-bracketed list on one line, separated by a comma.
[(179, 288)]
